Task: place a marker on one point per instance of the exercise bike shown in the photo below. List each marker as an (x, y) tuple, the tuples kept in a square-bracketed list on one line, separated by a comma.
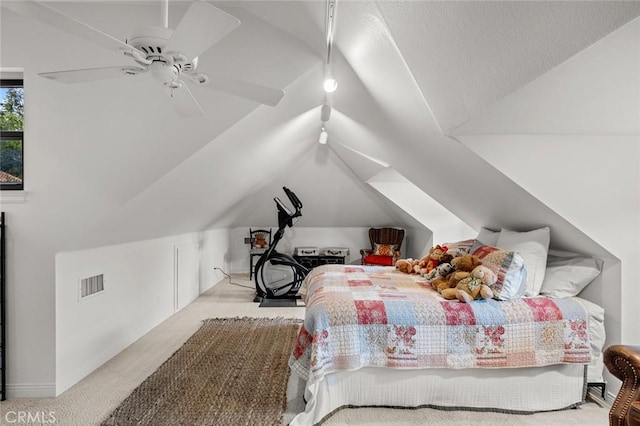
[(279, 275)]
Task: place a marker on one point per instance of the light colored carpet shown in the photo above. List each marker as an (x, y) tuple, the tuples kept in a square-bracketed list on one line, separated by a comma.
[(92, 400)]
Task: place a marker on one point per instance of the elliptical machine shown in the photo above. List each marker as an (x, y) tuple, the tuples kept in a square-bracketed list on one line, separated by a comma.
[(279, 275)]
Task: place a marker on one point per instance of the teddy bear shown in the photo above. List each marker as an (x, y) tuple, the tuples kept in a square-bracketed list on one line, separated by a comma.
[(405, 265), (466, 263), (260, 241), (461, 267), (432, 259), (477, 285)]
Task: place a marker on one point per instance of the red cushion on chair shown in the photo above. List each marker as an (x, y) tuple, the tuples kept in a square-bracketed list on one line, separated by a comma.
[(374, 259)]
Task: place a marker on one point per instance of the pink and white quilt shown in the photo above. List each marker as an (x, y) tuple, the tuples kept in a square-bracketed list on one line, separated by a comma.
[(361, 316)]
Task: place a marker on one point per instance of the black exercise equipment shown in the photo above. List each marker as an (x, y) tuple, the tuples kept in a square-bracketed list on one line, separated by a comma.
[(279, 275)]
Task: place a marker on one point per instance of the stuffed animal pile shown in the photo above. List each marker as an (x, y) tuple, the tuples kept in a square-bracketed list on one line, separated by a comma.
[(461, 268), (477, 285), (453, 273)]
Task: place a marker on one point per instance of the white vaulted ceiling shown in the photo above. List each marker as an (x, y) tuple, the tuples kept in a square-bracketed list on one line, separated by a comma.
[(115, 163), (467, 55)]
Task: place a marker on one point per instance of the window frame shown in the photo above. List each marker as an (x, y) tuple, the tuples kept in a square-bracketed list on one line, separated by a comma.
[(13, 135)]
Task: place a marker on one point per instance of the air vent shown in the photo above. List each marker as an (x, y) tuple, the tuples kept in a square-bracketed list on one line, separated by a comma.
[(91, 285)]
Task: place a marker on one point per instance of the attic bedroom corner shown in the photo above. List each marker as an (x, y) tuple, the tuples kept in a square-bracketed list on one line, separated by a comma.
[(267, 212)]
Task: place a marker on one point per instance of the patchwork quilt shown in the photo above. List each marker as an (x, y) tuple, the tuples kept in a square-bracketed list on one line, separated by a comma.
[(378, 317)]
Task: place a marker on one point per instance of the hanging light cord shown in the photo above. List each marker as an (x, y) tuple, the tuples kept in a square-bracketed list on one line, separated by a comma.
[(331, 14)]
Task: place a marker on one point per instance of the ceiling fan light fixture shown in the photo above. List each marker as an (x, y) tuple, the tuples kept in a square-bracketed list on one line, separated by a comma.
[(163, 72)]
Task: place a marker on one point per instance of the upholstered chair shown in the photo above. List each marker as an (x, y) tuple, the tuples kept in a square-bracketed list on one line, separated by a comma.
[(385, 246), (623, 361)]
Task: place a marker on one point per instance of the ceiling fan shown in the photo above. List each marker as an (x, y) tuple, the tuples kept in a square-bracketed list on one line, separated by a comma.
[(170, 56)]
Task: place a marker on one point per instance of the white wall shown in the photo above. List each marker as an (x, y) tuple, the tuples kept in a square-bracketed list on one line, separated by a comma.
[(214, 253), (418, 241), (30, 295), (138, 294)]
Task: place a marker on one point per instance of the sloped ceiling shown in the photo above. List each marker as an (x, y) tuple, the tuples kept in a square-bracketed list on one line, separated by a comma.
[(128, 168), (467, 55), (569, 101)]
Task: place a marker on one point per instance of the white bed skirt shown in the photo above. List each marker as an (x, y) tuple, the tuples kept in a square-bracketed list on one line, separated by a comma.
[(510, 389)]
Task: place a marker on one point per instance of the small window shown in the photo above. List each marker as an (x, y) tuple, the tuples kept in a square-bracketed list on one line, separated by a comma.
[(11, 134)]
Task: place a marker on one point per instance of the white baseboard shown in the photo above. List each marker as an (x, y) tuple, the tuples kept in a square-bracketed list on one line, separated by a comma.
[(595, 395), (32, 390)]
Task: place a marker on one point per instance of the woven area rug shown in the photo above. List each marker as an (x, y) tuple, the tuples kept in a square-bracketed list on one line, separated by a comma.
[(232, 371)]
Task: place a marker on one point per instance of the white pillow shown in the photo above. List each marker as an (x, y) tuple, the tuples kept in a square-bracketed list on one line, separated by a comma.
[(534, 247), (568, 274), (488, 236)]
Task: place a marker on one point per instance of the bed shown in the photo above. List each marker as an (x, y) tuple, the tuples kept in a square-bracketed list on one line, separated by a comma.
[(373, 336)]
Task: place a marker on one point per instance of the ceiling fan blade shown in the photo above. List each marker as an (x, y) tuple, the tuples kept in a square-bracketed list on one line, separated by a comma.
[(201, 26), (244, 89), (91, 74), (184, 102), (45, 13)]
